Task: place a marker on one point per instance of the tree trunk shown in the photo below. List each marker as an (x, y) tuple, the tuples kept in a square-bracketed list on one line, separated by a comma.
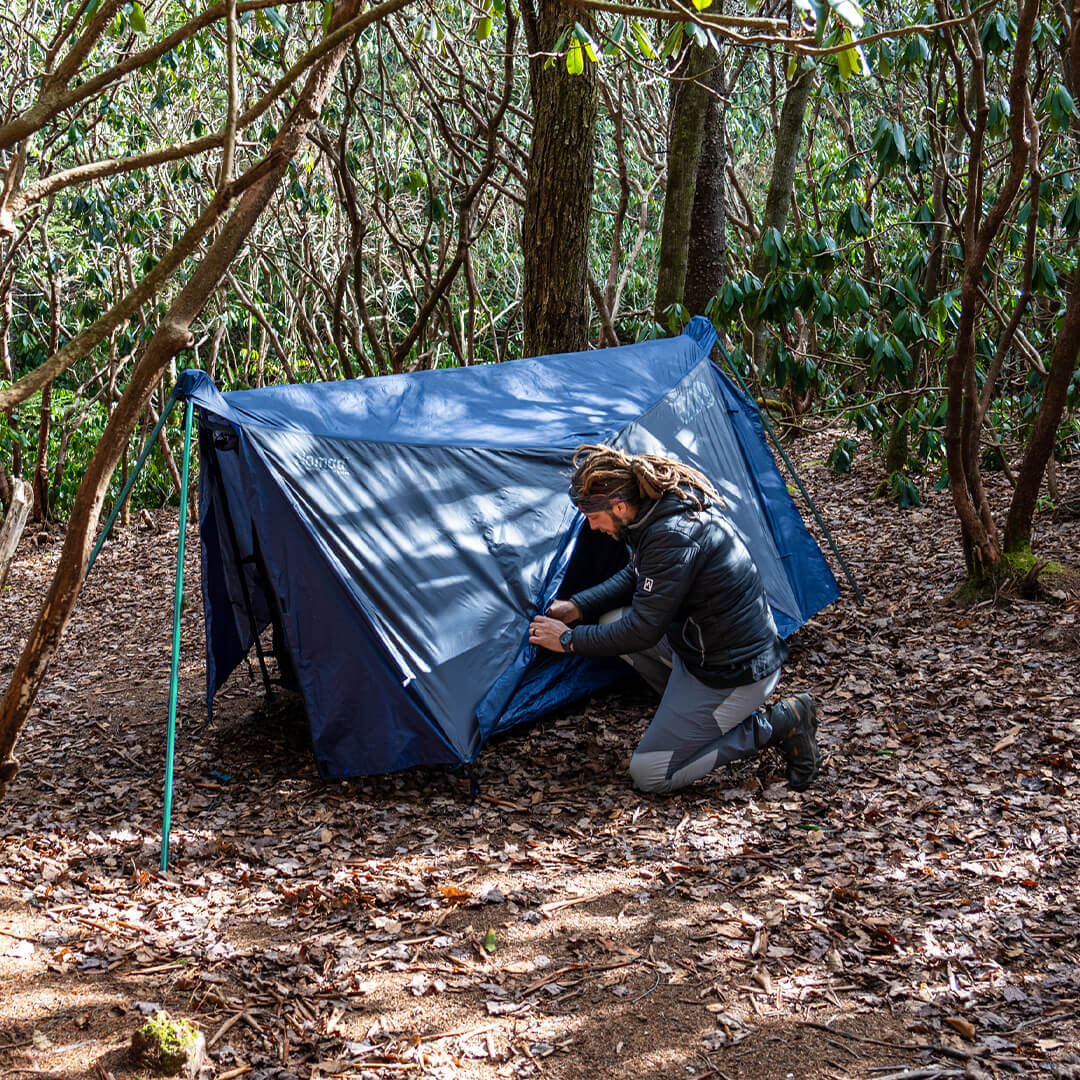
[(706, 257), (1038, 456), (41, 460), (7, 367), (172, 335), (125, 509), (16, 443), (963, 414), (558, 188), (1040, 446), (7, 371), (781, 183), (22, 501), (689, 107)]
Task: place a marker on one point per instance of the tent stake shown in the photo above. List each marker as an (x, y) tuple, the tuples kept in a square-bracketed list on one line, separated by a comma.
[(111, 520), (791, 469), (178, 599)]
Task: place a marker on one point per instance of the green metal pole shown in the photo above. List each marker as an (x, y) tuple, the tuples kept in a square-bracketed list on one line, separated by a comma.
[(174, 680), (131, 480)]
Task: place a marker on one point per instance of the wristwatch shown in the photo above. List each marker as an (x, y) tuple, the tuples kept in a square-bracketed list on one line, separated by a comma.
[(566, 640)]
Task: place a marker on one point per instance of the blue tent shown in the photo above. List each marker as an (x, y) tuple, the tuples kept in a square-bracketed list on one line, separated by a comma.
[(399, 532)]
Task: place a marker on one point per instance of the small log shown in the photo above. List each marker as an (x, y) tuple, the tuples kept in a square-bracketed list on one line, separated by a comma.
[(22, 502)]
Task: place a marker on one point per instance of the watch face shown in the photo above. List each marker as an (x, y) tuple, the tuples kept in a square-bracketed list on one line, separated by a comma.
[(565, 638)]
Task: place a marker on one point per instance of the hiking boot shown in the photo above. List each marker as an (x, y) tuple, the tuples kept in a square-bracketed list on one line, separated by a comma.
[(794, 724)]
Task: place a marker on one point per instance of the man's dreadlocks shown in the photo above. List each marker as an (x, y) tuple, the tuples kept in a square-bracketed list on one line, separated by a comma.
[(603, 476)]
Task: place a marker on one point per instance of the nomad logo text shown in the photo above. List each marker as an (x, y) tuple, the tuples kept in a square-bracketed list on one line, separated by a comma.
[(313, 461)]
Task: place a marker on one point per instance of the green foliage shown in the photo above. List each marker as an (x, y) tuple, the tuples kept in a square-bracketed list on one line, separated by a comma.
[(1057, 109), (854, 221), (904, 491), (997, 33), (154, 487), (842, 454), (842, 290), (890, 144)]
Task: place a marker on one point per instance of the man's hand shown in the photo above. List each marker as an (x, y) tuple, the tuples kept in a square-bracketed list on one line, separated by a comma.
[(545, 632), (564, 610)]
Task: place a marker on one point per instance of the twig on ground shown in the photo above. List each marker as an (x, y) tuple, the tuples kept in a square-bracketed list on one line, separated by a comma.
[(225, 1027), (860, 1038), (922, 1074), (233, 1073), (634, 1001)]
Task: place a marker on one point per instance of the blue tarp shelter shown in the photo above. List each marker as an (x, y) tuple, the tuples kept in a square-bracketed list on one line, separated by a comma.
[(399, 532)]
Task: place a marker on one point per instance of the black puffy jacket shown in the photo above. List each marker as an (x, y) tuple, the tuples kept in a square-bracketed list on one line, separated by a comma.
[(691, 577)]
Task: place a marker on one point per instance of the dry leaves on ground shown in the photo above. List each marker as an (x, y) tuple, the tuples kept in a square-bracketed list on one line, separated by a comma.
[(914, 915)]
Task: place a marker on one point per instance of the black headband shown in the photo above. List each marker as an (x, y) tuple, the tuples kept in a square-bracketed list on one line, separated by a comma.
[(594, 504)]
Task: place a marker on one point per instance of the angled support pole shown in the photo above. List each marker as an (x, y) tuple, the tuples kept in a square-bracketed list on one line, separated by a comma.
[(115, 513), (795, 476), (174, 674)]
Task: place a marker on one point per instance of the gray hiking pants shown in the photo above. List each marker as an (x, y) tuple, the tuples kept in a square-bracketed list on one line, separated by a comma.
[(697, 728)]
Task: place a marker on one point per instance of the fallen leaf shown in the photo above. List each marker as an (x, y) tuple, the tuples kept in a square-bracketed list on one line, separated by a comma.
[(964, 1027)]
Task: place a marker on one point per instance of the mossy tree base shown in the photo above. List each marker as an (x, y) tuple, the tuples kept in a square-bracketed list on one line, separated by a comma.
[(1023, 573)]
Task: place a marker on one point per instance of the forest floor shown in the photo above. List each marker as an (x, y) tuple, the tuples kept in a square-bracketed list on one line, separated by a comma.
[(916, 914)]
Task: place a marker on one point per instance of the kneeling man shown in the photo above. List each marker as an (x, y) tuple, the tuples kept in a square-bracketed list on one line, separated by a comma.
[(689, 613)]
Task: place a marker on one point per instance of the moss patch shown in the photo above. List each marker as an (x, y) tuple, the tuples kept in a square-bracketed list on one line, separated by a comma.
[(168, 1045), (1021, 572), (1043, 578)]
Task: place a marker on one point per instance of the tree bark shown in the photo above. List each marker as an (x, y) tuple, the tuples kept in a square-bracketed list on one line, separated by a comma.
[(781, 182), (706, 257), (7, 366), (41, 461), (1038, 454), (173, 335), (41, 458), (558, 188), (689, 108), (1040, 445), (963, 415)]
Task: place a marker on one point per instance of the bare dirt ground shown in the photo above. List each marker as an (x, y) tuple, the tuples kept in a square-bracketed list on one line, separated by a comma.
[(915, 915)]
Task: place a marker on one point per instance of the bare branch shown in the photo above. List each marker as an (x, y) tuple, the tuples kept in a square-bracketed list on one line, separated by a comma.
[(228, 151), (75, 349)]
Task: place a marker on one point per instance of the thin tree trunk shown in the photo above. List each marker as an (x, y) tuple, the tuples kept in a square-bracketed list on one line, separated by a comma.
[(41, 457), (41, 461), (963, 414), (558, 188), (7, 369), (1040, 445), (172, 335), (706, 257), (781, 183), (166, 450), (1038, 455), (125, 509), (689, 107)]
